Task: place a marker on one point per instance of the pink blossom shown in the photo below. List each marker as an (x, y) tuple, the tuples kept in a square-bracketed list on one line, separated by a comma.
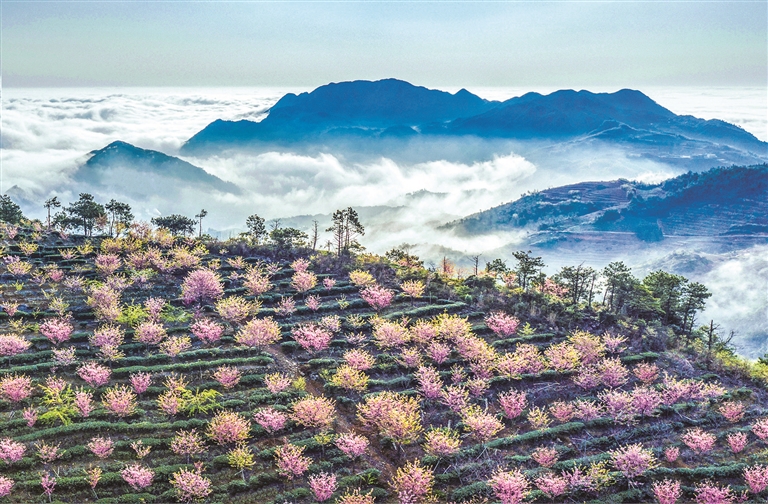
[(303, 281), (57, 330), (187, 443), (513, 403), (613, 373), (276, 382), (589, 346), (377, 296), (228, 427), (323, 485), (154, 307), (756, 477), (138, 476), (413, 482), (646, 373), (329, 283), (390, 335), (438, 352), (84, 402), (6, 484), (150, 333), (227, 376), (11, 451), (48, 483), (312, 302), (562, 411), (633, 460), (645, 400), (101, 447), (30, 415), (311, 337), (442, 442), (509, 487), (12, 344), (200, 286), (733, 411), (314, 412), (352, 445), (259, 332), (140, 382), (502, 324), (107, 263), (107, 336), (587, 410), (614, 344), (300, 265), (456, 397), (105, 302), (667, 491), (430, 384), (760, 428), (359, 359), (331, 323), (545, 457), (562, 356), (423, 333), (290, 460), (737, 441), (482, 425), (285, 307), (15, 388), (208, 331), (48, 452), (526, 359), (64, 356), (190, 485), (671, 453), (698, 440), (410, 358), (94, 374), (618, 405), (711, 493), (256, 282), (270, 419), (551, 485), (119, 400)]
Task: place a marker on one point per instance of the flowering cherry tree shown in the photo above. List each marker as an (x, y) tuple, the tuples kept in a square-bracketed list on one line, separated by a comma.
[(227, 376), (509, 487), (207, 331), (377, 296), (270, 419), (57, 330), (138, 476), (413, 483), (200, 286), (667, 491), (352, 445), (94, 374), (322, 485), (633, 460), (756, 477), (501, 324), (315, 412), (11, 451), (228, 427), (190, 485), (291, 461)]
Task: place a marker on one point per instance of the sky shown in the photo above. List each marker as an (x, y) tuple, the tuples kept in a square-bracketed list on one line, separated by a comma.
[(303, 43)]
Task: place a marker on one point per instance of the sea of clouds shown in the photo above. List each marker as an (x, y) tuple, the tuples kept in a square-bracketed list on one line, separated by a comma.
[(48, 133)]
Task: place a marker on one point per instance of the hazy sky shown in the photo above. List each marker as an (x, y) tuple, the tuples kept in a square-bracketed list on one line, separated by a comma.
[(560, 44)]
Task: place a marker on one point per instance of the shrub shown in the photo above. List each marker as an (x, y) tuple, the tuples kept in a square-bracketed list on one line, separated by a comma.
[(698, 440), (119, 400), (441, 442), (352, 445), (708, 492), (633, 460), (200, 286), (756, 477), (323, 485), (501, 324), (290, 460), (551, 485), (667, 491), (513, 403), (314, 412), (138, 476), (509, 487), (190, 485), (270, 419), (349, 378), (228, 427), (11, 451)]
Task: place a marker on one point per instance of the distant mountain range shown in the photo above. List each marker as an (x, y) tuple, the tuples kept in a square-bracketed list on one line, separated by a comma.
[(719, 202), (387, 109), (137, 172)]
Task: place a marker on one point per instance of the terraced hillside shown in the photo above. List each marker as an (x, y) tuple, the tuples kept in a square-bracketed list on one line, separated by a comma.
[(158, 369)]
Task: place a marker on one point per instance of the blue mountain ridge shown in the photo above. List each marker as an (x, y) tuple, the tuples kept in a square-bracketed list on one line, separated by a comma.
[(155, 167), (395, 108), (718, 202)]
